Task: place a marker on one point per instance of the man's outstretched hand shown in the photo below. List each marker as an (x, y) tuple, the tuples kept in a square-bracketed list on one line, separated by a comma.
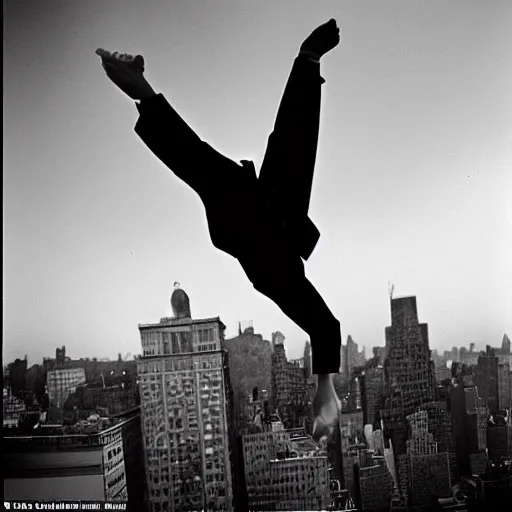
[(127, 72)]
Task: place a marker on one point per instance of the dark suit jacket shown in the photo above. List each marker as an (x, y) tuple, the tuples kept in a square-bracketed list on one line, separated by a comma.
[(235, 211)]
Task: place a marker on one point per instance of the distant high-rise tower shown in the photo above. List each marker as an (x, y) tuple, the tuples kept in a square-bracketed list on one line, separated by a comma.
[(308, 369), (408, 369), (350, 358), (487, 378), (186, 412)]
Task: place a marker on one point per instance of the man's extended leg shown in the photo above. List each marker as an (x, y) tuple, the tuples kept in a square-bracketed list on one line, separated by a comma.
[(279, 275), (287, 171)]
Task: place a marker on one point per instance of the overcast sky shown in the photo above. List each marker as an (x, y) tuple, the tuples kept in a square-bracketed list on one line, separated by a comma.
[(413, 182)]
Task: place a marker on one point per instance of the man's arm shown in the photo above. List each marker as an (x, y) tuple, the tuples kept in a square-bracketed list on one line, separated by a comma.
[(159, 126), (167, 135)]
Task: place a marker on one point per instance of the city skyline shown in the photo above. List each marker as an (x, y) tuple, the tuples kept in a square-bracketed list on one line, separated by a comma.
[(203, 416), (412, 187)]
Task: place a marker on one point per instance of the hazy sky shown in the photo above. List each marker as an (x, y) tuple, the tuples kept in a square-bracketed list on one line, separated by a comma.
[(413, 182)]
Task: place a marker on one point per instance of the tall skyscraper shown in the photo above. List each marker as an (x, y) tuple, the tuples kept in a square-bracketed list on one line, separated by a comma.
[(408, 368), (504, 385), (308, 368), (186, 411), (486, 379), (503, 352), (372, 389), (350, 358)]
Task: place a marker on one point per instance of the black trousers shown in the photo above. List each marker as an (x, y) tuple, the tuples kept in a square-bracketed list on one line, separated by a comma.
[(285, 181)]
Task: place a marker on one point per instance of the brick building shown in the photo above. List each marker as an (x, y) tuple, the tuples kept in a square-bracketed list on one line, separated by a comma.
[(290, 389), (394, 423), (186, 406), (299, 483), (499, 439), (250, 365), (60, 384), (430, 478), (372, 391), (284, 470), (375, 488), (101, 371)]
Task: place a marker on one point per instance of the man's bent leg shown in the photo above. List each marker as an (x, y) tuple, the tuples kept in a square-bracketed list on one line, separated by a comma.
[(281, 278), (286, 175), (287, 171), (301, 302)]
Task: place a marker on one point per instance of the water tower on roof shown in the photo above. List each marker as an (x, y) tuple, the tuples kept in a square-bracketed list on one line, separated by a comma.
[(180, 302)]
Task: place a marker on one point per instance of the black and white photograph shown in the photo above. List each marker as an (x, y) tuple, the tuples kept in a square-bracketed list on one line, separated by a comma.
[(257, 255)]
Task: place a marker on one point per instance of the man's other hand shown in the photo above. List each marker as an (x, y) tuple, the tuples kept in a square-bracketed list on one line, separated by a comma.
[(127, 72)]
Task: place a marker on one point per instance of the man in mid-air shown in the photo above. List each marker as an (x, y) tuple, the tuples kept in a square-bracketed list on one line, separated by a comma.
[(269, 211)]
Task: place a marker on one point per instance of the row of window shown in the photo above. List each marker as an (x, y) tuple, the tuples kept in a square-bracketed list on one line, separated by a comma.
[(176, 342), (206, 347), (183, 364)]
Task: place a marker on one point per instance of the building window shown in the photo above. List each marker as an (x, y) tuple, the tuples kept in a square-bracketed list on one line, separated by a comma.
[(175, 343)]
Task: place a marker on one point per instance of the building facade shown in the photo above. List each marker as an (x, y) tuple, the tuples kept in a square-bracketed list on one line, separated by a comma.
[(60, 384), (375, 488), (408, 368), (186, 411), (290, 390), (285, 470), (75, 466), (372, 390), (250, 365), (504, 386), (486, 379)]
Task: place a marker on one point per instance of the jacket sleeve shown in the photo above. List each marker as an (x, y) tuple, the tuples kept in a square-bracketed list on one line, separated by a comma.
[(172, 140)]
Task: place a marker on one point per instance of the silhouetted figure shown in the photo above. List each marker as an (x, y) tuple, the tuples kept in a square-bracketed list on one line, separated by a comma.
[(245, 211)]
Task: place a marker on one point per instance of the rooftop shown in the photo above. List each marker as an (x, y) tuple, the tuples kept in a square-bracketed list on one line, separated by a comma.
[(171, 321)]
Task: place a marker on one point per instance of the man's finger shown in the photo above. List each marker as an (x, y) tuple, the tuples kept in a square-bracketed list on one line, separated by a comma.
[(102, 53)]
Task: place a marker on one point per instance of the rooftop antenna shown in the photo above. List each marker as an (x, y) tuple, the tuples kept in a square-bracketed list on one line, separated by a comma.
[(391, 289)]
